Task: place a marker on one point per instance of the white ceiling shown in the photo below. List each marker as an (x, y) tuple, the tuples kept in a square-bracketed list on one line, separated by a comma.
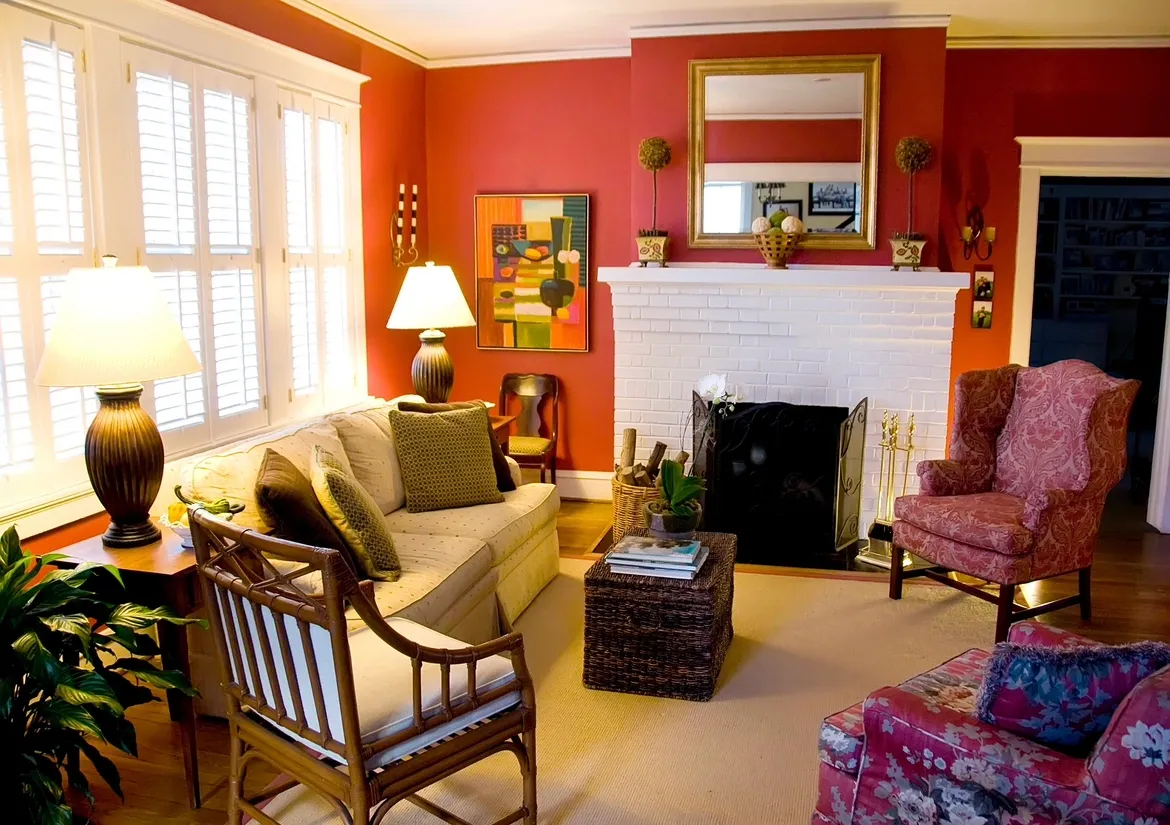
[(767, 96), (446, 29)]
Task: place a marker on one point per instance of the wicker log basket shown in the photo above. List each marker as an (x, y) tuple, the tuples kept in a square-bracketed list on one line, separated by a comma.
[(629, 501), (777, 247)]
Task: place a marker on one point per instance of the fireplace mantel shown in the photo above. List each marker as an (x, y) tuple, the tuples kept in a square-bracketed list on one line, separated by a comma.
[(807, 276)]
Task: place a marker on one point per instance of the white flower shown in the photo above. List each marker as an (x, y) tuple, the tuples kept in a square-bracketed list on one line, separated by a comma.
[(915, 808), (837, 740), (977, 771), (964, 814), (1148, 744), (713, 387), (1144, 820)]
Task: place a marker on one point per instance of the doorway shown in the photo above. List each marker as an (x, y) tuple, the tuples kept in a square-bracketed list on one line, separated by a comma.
[(1101, 274)]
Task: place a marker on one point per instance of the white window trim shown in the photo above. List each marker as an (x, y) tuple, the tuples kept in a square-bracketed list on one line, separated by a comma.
[(162, 26)]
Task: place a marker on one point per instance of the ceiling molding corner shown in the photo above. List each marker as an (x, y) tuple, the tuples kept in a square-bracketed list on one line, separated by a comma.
[(528, 57), (908, 21), (1154, 41), (357, 30)]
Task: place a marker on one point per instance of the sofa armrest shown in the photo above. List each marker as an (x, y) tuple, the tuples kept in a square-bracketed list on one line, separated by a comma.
[(1045, 635), (924, 762), (1042, 505), (1131, 762), (945, 477), (514, 469)]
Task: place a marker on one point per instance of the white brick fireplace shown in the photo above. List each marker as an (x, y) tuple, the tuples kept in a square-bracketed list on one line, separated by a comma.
[(826, 335)]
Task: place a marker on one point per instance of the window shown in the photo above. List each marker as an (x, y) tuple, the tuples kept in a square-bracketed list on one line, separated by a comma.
[(723, 207), (256, 263)]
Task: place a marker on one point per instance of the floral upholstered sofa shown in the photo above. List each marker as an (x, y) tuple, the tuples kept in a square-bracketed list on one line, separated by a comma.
[(916, 754)]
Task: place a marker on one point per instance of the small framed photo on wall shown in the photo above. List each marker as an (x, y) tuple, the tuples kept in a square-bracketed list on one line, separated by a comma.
[(982, 297)]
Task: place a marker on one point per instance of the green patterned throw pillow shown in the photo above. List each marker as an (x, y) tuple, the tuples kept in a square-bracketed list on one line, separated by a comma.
[(356, 516), (446, 459)]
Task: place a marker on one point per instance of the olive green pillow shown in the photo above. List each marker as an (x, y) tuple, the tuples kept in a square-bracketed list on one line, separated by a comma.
[(504, 481), (356, 516), (446, 459)]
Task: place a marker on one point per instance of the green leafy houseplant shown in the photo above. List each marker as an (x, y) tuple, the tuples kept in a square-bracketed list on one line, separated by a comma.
[(678, 510), (69, 669)]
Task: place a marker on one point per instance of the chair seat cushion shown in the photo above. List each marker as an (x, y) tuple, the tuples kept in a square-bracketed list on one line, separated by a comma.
[(528, 445), (991, 521), (436, 572), (504, 526)]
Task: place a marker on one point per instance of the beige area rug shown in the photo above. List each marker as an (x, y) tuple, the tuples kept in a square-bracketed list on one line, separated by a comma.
[(804, 648)]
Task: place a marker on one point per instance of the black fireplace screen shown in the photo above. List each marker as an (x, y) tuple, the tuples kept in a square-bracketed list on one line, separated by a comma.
[(785, 478)]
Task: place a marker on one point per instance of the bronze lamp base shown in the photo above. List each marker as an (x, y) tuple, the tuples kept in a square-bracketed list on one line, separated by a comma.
[(124, 458), (433, 371)]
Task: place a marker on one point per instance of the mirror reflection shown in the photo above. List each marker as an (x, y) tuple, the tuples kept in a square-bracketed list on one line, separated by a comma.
[(783, 143)]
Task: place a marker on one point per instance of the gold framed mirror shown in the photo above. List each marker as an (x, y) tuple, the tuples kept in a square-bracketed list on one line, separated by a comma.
[(791, 134)]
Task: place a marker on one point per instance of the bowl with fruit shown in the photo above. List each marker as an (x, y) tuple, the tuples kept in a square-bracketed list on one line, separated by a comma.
[(178, 516), (776, 237)]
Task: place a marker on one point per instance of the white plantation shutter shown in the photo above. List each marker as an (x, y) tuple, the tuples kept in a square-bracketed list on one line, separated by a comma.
[(7, 228), (338, 346), (298, 179), (71, 409), (237, 362), (228, 150), (302, 300), (167, 155), (178, 402), (331, 166), (16, 433)]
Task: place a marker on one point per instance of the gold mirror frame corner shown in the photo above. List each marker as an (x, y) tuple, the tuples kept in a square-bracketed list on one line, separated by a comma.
[(867, 64)]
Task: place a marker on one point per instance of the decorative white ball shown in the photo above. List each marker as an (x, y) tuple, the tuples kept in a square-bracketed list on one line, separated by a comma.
[(792, 225), (760, 226)]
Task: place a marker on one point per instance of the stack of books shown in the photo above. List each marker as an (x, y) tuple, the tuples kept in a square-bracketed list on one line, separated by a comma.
[(662, 558)]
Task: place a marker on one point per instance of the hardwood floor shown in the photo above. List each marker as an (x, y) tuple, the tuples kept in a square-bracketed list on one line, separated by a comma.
[(1131, 600)]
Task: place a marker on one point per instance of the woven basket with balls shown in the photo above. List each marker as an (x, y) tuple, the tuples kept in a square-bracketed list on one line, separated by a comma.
[(777, 237)]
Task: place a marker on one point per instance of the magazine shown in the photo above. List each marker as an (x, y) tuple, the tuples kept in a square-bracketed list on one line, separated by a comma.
[(647, 548)]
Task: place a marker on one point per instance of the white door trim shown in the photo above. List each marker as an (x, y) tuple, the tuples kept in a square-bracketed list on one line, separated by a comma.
[(1108, 157)]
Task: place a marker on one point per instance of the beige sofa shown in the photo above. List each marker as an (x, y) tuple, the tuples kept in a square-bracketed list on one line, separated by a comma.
[(456, 564)]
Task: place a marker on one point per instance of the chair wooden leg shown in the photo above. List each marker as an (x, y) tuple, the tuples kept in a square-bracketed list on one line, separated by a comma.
[(528, 738), (895, 571), (235, 779), (1086, 588), (542, 472), (553, 467), (1003, 613)]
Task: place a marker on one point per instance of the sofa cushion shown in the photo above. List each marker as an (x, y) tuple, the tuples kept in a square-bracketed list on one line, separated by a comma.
[(356, 517), (436, 572), (1063, 697), (369, 445), (446, 459), (991, 521), (504, 526), (286, 498), (504, 480), (232, 473)]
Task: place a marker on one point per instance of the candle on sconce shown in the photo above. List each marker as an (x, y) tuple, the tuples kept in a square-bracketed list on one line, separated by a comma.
[(413, 214), (401, 206)]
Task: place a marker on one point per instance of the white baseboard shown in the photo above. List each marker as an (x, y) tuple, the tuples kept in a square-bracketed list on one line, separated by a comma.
[(588, 485)]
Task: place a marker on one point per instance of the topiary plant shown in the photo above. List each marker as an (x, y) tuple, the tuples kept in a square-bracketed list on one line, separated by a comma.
[(913, 154), (69, 668), (654, 155)]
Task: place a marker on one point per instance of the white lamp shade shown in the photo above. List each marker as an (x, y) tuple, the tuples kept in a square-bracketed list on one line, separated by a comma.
[(430, 299), (113, 326)]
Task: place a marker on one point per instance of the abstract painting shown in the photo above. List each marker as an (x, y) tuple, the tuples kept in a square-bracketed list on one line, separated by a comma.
[(532, 272)]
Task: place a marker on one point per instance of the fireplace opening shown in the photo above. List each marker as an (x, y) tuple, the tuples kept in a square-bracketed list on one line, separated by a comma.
[(785, 478)]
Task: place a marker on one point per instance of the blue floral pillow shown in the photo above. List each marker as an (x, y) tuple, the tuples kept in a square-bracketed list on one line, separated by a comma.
[(1063, 697)]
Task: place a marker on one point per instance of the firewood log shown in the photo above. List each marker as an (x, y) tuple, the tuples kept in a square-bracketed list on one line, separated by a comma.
[(655, 458), (682, 457), (642, 478), (629, 445)]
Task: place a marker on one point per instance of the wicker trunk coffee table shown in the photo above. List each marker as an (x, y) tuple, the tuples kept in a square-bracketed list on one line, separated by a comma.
[(660, 637)]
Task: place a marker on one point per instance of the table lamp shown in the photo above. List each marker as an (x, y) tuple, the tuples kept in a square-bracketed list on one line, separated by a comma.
[(113, 329), (431, 298)]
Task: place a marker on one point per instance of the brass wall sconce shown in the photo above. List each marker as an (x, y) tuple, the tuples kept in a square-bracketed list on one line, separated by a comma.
[(973, 232), (408, 255)]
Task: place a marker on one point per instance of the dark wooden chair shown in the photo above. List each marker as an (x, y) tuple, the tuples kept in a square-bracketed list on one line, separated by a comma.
[(365, 719), (528, 446)]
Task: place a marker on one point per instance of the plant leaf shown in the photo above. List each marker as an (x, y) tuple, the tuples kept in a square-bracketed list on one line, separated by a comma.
[(137, 617), (90, 689), (73, 717), (146, 672), (129, 694), (10, 550), (43, 666), (105, 767), (116, 730), (77, 780), (140, 644), (76, 623)]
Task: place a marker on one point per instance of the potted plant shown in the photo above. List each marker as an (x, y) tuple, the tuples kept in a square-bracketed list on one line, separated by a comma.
[(69, 669), (913, 154), (654, 155), (677, 514)]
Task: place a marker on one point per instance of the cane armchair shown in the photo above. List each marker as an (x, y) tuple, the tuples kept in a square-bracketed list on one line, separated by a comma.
[(527, 446), (1033, 454), (368, 718)]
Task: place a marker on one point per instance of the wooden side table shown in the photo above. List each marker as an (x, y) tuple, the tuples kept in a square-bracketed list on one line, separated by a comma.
[(162, 574), (501, 426)]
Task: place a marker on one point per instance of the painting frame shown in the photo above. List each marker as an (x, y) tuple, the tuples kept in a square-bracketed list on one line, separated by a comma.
[(533, 291), (792, 207), (814, 196)]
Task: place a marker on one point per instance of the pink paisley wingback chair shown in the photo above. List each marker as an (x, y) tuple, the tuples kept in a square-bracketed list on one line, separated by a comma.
[(1033, 454)]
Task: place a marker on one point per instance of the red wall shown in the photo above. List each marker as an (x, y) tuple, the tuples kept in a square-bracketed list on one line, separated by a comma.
[(912, 74), (782, 141), (995, 96), (483, 138)]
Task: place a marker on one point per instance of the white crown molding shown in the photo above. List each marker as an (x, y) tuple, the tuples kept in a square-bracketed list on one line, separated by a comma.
[(1124, 156), (1058, 42), (785, 116), (528, 57), (161, 25), (357, 30), (909, 21)]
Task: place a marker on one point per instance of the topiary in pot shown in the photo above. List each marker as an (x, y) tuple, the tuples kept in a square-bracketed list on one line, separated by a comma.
[(913, 154), (653, 155), (678, 513), (69, 669)]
